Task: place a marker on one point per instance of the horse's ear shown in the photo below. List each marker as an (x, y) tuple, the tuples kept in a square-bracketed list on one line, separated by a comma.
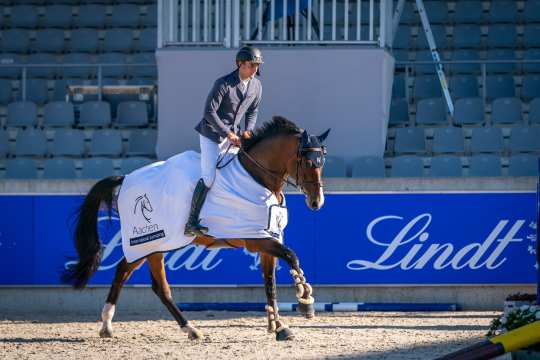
[(323, 136)]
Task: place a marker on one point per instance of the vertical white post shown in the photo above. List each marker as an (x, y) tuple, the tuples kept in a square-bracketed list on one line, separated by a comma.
[(228, 42), (346, 20), (309, 9), (194, 21), (358, 19), (216, 20), (371, 6), (183, 20), (236, 23), (382, 24), (247, 19), (272, 20), (296, 20), (205, 21), (284, 22), (334, 19), (260, 27), (321, 19), (160, 41)]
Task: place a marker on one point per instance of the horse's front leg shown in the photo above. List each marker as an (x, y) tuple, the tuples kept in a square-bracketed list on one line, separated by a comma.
[(275, 324)]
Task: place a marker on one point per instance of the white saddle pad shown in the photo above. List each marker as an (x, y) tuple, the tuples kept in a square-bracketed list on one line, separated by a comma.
[(154, 204)]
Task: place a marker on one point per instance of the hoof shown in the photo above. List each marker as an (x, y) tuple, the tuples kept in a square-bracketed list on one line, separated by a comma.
[(193, 333), (308, 310), (105, 332), (284, 334)]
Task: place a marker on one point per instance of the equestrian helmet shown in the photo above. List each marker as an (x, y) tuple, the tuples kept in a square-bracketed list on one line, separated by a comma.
[(249, 53)]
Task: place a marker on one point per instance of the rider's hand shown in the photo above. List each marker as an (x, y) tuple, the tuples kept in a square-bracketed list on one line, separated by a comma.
[(234, 139), (247, 134)]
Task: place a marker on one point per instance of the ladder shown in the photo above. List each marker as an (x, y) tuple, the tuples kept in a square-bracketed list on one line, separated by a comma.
[(432, 47)]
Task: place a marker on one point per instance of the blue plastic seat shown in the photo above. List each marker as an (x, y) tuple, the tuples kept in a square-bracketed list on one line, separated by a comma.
[(106, 142), (113, 71), (531, 35), (142, 142), (498, 86), (24, 16), (50, 40), (59, 168), (42, 71), (468, 12), (21, 168), (334, 167), (530, 87), (132, 113), (95, 113), (120, 40), (58, 113), (446, 166), (128, 165), (409, 140), (485, 165), (30, 142), (398, 86), (448, 140), (531, 54), (431, 112), (6, 94), (403, 37), (10, 59), (92, 15), (506, 111), (469, 111), (437, 11), (465, 55), (399, 112), (439, 34), (523, 165), (150, 18), (525, 139), (84, 40), (368, 167), (427, 86), (37, 91), (68, 142), (467, 36), (144, 71), (534, 111), (408, 16), (15, 40), (407, 166), (463, 86), (502, 36), (97, 168), (487, 140), (125, 15), (21, 113), (61, 88), (4, 143), (58, 16), (501, 54), (147, 40), (531, 11), (503, 11)]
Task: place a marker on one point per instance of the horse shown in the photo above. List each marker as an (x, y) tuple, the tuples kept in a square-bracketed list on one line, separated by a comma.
[(277, 151)]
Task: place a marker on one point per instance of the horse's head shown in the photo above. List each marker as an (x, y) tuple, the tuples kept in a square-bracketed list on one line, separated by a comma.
[(309, 165)]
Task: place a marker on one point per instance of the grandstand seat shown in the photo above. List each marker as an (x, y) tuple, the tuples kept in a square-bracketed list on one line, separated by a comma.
[(409, 140), (84, 40), (465, 55), (498, 86), (120, 40), (468, 12), (467, 36), (41, 71), (534, 111), (368, 166), (58, 16), (398, 86), (128, 165), (106, 142), (439, 35), (531, 11), (6, 94), (4, 143), (501, 54), (77, 71), (113, 71), (469, 111), (142, 142), (399, 112), (403, 38), (448, 140), (97, 168), (59, 168), (37, 90), (427, 86), (10, 59), (531, 35), (21, 113), (30, 142), (334, 167), (21, 168), (463, 86), (61, 88), (144, 71), (125, 15), (15, 40), (92, 15), (506, 111), (408, 16), (147, 40), (150, 18), (530, 87), (486, 140), (503, 12), (485, 165), (132, 113), (523, 165), (425, 55), (407, 166), (24, 16), (437, 11), (95, 113), (431, 112), (502, 36), (50, 40), (525, 139), (58, 113), (446, 166), (68, 142)]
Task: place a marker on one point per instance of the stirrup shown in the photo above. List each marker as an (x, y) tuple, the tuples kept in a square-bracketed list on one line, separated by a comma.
[(195, 229)]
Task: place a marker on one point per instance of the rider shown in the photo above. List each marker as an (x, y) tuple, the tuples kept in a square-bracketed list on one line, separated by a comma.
[(232, 97)]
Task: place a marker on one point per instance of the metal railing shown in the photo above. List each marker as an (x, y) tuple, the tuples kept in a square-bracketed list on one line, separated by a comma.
[(231, 23)]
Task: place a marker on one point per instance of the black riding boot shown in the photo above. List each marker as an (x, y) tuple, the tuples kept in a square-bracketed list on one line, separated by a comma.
[(193, 227)]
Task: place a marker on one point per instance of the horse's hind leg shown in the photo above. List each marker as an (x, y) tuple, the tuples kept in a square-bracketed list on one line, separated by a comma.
[(123, 272), (162, 289)]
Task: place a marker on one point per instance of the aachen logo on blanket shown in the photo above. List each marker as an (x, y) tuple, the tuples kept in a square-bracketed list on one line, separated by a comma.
[(143, 203)]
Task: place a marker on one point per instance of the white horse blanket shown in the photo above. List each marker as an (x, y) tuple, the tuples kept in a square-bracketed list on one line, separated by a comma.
[(154, 204)]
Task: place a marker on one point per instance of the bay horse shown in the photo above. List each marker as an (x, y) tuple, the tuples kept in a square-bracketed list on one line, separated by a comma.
[(278, 150)]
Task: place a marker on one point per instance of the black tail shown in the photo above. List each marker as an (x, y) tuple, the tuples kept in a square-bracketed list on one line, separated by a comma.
[(87, 241)]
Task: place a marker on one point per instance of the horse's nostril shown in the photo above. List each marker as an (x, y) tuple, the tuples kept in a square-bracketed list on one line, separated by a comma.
[(314, 204)]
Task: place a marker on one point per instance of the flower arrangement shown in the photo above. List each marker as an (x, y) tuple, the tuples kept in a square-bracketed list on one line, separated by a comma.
[(514, 319)]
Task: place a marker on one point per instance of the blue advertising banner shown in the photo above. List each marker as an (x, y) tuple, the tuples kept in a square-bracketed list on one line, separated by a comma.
[(370, 239)]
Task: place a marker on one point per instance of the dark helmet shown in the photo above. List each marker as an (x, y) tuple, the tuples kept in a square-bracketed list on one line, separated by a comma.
[(249, 53)]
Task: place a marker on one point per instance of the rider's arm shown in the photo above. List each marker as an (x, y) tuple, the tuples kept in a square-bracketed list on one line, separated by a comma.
[(212, 105), (252, 111)]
